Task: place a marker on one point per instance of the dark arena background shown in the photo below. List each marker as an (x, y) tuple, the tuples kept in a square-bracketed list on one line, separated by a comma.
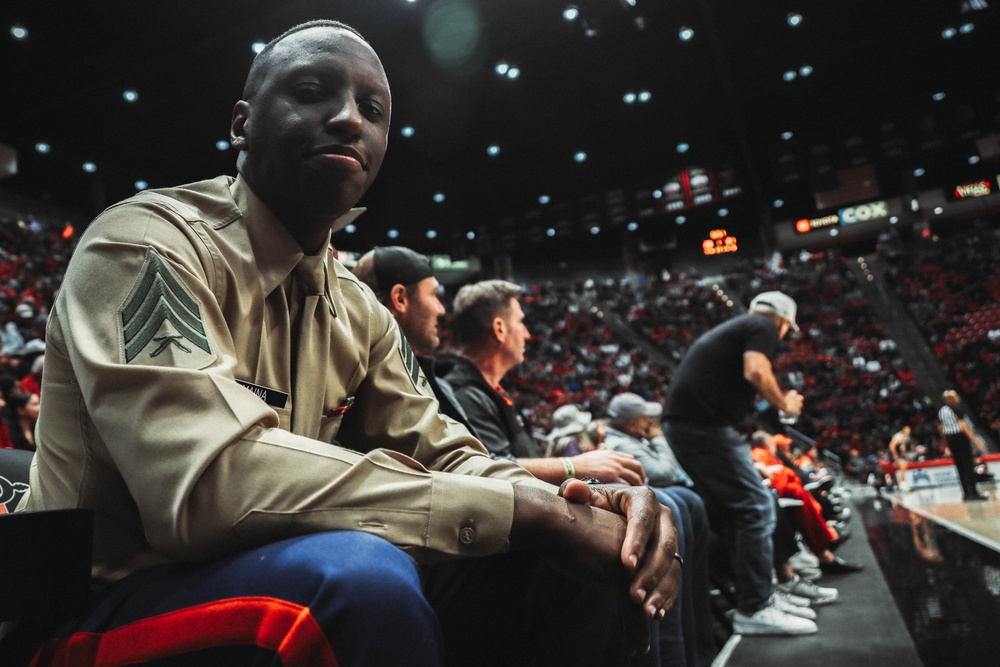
[(642, 168)]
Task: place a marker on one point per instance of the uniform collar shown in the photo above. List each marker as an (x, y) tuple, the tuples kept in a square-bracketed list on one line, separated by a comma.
[(274, 249)]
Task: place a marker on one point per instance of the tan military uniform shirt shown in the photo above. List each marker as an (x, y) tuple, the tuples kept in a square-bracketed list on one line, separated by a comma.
[(170, 406)]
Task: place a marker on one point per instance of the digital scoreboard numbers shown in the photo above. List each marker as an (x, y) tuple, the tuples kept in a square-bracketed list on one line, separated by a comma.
[(719, 242)]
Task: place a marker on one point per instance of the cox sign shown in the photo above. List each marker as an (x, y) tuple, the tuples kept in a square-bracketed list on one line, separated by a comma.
[(871, 211)]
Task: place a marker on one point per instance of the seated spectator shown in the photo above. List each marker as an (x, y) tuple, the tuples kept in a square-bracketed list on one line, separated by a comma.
[(490, 331), (32, 382), (5, 440), (571, 433), (20, 416), (808, 517), (403, 281), (223, 432), (634, 428)]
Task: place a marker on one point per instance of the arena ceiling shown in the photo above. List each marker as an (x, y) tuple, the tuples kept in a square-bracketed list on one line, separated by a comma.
[(773, 108)]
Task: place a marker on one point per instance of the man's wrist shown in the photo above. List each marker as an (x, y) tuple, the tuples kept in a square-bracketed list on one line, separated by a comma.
[(568, 467)]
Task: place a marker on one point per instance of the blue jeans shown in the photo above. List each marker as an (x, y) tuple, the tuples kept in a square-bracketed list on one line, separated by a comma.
[(694, 602), (718, 460)]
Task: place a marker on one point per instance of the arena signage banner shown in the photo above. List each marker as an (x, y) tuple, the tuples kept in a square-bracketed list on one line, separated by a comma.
[(871, 211), (970, 190)]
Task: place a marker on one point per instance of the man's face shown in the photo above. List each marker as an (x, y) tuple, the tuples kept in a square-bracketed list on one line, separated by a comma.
[(517, 333), (420, 320), (637, 427), (315, 131)]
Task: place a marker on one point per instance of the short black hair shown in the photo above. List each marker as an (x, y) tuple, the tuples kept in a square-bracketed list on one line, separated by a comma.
[(258, 66)]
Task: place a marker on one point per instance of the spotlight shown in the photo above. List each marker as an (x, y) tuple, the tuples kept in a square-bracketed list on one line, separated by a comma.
[(407, 131)]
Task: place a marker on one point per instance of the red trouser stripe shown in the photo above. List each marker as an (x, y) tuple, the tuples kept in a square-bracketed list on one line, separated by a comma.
[(278, 625)]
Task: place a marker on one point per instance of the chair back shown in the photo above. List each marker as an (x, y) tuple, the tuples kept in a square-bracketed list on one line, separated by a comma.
[(45, 557)]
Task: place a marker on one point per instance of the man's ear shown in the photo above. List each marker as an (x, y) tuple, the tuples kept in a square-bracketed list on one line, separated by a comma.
[(398, 299), (499, 329), (238, 126)]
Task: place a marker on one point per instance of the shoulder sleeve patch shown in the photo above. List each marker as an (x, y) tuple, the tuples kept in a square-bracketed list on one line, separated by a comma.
[(412, 366), (160, 323)]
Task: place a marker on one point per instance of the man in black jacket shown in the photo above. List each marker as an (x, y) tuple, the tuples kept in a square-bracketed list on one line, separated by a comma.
[(491, 334)]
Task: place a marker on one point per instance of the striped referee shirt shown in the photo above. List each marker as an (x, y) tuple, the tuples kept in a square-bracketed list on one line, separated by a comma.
[(950, 422)]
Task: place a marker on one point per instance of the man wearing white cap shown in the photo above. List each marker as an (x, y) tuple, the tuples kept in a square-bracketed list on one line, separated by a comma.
[(711, 394)]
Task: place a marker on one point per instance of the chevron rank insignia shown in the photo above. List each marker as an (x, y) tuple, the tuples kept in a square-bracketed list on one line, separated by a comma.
[(160, 323)]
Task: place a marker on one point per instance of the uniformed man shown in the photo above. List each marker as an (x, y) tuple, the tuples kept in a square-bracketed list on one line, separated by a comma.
[(211, 373)]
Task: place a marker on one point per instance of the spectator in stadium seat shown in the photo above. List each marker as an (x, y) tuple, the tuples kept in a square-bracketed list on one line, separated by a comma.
[(571, 432), (634, 428), (960, 437), (808, 518), (32, 382), (710, 394), (5, 439), (489, 327), (403, 281), (216, 439), (20, 417)]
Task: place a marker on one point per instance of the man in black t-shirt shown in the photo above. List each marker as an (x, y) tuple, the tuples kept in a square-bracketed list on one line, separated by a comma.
[(711, 393)]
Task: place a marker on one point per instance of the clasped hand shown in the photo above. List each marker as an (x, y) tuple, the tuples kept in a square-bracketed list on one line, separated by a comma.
[(617, 536)]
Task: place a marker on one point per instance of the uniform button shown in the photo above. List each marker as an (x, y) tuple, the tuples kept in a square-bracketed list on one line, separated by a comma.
[(467, 535)]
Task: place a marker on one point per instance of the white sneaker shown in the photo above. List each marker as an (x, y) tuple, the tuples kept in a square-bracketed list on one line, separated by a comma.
[(783, 604), (772, 621), (807, 589), (793, 599), (803, 559)]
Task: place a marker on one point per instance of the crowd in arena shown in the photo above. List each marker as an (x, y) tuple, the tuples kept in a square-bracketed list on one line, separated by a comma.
[(951, 286)]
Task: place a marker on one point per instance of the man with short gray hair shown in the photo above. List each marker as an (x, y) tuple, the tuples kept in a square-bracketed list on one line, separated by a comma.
[(491, 335)]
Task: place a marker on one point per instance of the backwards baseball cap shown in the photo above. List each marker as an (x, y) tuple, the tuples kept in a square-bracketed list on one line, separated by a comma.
[(628, 405), (778, 303), (396, 265), (568, 420)]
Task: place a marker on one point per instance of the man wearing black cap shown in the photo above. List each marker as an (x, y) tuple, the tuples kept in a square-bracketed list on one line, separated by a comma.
[(404, 282), (710, 395)]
